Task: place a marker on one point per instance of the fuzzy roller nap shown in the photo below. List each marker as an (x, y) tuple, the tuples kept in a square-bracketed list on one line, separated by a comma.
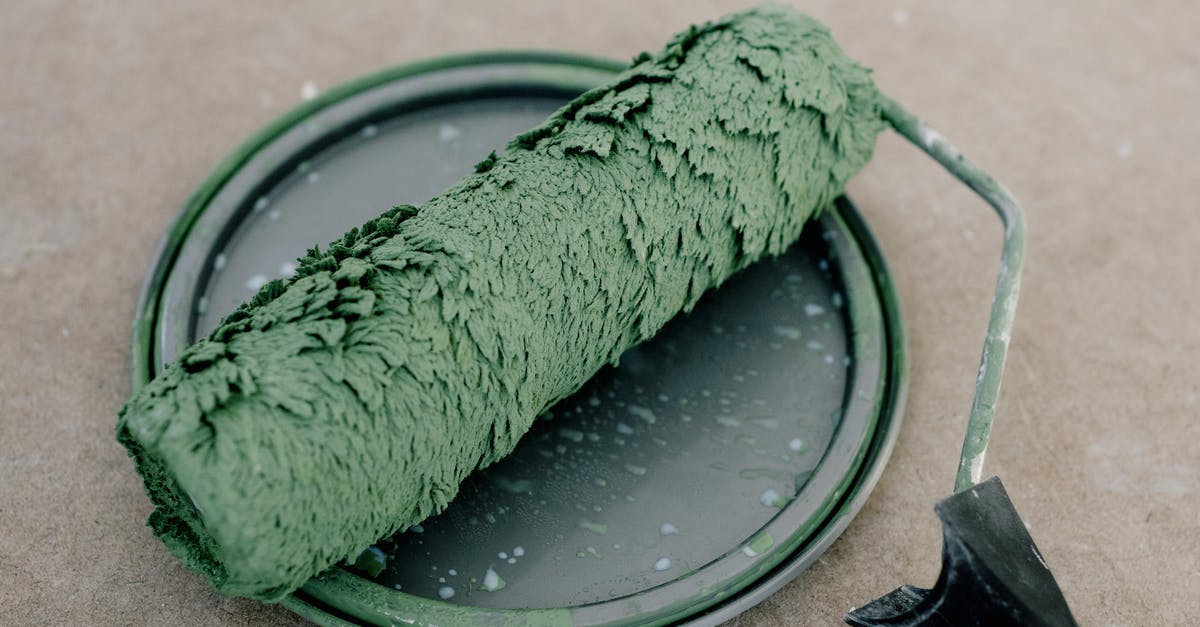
[(351, 401)]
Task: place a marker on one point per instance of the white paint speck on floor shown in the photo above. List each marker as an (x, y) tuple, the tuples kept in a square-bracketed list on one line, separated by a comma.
[(309, 90)]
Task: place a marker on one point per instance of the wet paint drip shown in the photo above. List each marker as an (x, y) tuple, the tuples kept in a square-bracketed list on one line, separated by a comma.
[(372, 561), (256, 282), (448, 133), (766, 422), (572, 435), (662, 564), (594, 527), (772, 498), (643, 413), (758, 545), (492, 581), (791, 333)]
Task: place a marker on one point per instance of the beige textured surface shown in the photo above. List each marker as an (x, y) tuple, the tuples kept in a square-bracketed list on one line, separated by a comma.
[(109, 115)]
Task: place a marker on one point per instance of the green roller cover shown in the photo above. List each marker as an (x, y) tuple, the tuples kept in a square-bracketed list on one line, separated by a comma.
[(351, 401)]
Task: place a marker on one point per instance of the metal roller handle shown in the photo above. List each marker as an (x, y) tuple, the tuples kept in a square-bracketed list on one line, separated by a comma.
[(1008, 284)]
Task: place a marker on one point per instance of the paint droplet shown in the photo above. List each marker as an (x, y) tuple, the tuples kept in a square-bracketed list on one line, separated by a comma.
[(728, 421), (445, 592), (829, 359), (370, 131), (219, 262), (274, 214), (287, 269), (256, 282), (813, 309), (512, 560), (796, 444), (624, 429), (637, 470), (308, 91), (448, 133), (791, 333), (261, 204), (771, 498), (519, 551), (313, 177), (667, 529), (502, 555), (594, 527), (515, 486), (452, 572), (766, 422), (758, 545), (662, 564), (417, 529), (643, 413)]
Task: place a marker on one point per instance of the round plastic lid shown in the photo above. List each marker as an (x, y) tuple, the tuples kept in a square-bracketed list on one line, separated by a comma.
[(709, 468)]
